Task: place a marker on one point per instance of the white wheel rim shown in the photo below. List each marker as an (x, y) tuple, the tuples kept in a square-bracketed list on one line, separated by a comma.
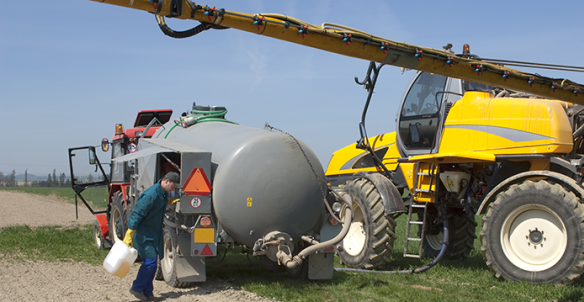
[(168, 260), (354, 241), (96, 235), (116, 215), (534, 238), (435, 241)]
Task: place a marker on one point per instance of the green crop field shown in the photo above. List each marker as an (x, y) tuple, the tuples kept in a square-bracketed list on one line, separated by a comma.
[(468, 280), (97, 196)]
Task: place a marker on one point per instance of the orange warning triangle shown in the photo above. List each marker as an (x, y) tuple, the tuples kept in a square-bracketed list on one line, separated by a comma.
[(197, 183), (206, 251)]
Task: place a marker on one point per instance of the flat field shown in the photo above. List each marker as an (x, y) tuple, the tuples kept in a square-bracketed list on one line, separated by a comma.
[(42, 263)]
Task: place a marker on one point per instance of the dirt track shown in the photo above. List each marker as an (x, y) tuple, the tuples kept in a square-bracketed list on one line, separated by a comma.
[(69, 281)]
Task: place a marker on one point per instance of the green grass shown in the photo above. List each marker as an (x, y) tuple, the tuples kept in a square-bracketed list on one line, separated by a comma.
[(468, 280), (97, 196), (51, 243), (66, 193)]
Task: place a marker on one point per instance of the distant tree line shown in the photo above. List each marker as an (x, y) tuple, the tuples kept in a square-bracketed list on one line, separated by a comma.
[(53, 180)]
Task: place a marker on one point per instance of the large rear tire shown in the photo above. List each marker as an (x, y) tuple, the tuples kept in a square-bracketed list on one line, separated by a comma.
[(168, 263), (461, 228), (118, 222), (369, 242), (534, 232)]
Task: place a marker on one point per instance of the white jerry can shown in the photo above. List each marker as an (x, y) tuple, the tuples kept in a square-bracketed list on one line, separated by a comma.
[(120, 259)]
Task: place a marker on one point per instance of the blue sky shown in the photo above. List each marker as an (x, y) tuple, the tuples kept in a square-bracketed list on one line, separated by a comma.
[(70, 70)]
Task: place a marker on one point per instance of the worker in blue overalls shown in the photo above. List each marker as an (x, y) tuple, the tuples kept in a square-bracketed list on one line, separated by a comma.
[(145, 232)]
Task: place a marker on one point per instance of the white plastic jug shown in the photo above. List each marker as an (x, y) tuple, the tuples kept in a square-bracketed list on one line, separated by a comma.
[(120, 259)]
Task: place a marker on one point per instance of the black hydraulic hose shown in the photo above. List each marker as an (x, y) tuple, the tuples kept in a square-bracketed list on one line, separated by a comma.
[(187, 33), (370, 86), (414, 271)]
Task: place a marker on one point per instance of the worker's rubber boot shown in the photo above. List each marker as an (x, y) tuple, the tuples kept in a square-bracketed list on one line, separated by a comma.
[(139, 296)]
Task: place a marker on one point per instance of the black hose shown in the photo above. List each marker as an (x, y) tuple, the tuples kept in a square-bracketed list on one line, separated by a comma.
[(187, 33)]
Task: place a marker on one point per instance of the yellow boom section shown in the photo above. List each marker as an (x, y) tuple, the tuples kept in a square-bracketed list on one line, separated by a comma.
[(354, 43)]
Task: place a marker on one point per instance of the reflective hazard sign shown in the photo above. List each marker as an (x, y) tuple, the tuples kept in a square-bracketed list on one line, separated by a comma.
[(197, 183)]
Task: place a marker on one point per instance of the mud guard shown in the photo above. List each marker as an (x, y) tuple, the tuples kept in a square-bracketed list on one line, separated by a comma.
[(189, 269), (321, 265), (570, 182), (391, 197)]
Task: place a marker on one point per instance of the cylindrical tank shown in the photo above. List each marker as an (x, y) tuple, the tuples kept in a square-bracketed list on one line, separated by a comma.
[(262, 180)]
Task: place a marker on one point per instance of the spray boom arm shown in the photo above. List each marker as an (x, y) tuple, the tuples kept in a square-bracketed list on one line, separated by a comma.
[(354, 43)]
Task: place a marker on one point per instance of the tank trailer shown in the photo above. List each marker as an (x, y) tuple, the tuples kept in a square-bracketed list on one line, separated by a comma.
[(236, 190)]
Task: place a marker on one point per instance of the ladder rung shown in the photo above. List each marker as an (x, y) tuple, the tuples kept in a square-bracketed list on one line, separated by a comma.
[(414, 239), (424, 173), (416, 222), (423, 190), (418, 205), (412, 256)]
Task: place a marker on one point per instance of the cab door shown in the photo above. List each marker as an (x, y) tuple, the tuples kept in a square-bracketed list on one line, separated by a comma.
[(88, 177), (419, 114)]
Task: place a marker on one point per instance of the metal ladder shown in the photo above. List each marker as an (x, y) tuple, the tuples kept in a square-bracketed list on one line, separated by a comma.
[(430, 173), (422, 224)]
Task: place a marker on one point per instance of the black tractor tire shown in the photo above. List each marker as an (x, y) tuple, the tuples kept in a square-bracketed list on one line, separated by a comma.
[(158, 275), (168, 262), (99, 241), (118, 219), (534, 232), (369, 242), (461, 230)]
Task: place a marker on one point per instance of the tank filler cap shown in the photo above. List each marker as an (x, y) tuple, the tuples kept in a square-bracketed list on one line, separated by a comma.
[(208, 108)]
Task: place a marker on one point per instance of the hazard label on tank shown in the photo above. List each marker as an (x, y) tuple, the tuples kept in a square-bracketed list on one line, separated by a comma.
[(196, 202)]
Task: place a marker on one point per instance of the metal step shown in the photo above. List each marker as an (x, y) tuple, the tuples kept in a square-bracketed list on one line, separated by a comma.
[(408, 229)]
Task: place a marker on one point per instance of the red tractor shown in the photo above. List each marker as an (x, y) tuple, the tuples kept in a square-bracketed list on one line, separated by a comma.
[(111, 224)]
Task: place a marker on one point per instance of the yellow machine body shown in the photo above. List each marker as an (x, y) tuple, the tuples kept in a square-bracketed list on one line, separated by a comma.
[(477, 129)]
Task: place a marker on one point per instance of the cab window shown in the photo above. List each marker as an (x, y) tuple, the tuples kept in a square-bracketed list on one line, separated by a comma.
[(419, 115)]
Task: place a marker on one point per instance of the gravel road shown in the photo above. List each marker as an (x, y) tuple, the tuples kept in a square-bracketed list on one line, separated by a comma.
[(71, 281)]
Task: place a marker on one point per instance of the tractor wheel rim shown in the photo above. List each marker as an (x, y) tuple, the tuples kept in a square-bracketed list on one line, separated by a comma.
[(534, 238), (435, 240), (96, 235), (354, 241), (168, 257), (117, 225)]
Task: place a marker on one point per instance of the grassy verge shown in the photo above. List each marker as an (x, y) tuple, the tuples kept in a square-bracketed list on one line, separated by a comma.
[(469, 280), (66, 193), (51, 244), (97, 196)]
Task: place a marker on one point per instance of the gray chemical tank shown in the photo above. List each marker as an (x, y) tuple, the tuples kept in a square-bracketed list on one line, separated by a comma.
[(262, 180), (240, 185)]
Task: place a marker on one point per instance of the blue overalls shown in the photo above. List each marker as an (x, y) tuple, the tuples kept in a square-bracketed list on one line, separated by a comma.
[(147, 220)]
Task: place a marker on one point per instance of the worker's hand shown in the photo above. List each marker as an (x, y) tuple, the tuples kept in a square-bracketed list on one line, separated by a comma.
[(129, 237), (172, 200)]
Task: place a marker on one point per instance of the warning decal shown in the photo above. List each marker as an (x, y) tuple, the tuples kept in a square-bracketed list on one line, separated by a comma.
[(196, 202), (197, 183)]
